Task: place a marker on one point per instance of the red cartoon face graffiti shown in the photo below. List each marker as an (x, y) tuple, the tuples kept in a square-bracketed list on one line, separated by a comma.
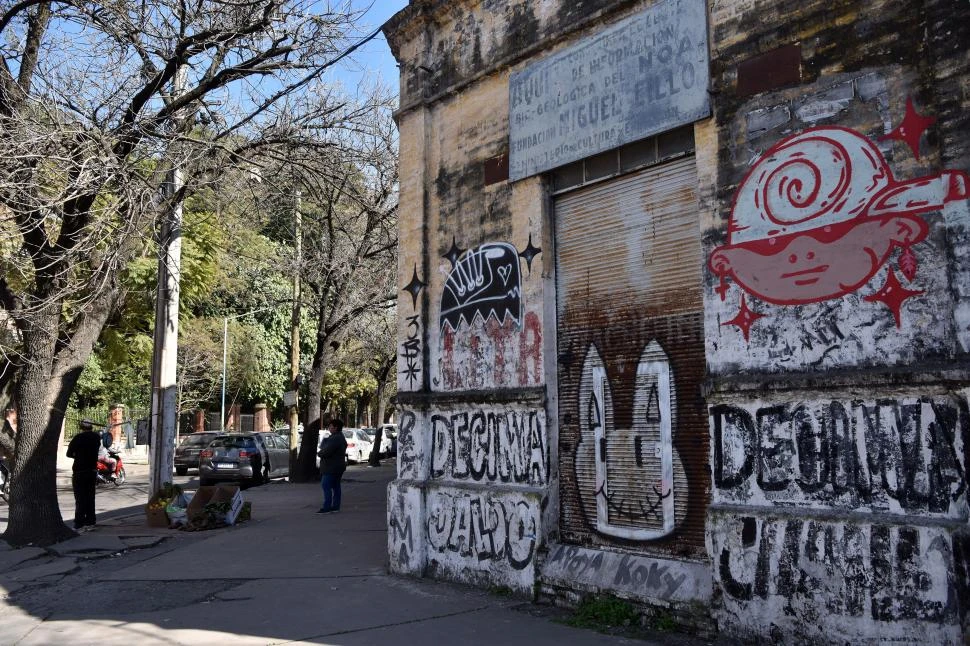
[(820, 214), (820, 264)]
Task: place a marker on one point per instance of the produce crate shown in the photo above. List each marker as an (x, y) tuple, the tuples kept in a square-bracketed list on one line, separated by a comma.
[(216, 495), (156, 517)]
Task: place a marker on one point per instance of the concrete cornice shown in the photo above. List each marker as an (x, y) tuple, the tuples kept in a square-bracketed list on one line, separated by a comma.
[(407, 23), (927, 378)]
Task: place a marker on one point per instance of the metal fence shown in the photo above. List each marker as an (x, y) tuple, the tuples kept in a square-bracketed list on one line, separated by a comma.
[(98, 416), (247, 423)]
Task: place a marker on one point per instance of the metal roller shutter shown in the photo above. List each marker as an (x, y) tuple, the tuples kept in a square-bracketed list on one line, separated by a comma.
[(633, 429)]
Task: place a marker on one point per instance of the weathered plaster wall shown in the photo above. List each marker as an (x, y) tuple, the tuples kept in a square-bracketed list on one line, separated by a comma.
[(476, 328), (472, 316), (900, 454), (471, 492), (474, 447), (836, 320), (490, 444), (807, 580), (445, 45), (477, 344), (833, 211), (473, 534)]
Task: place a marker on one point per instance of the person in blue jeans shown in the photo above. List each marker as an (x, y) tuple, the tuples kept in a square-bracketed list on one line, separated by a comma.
[(333, 463)]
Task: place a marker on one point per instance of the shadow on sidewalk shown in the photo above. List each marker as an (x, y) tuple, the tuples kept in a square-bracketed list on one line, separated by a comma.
[(289, 575)]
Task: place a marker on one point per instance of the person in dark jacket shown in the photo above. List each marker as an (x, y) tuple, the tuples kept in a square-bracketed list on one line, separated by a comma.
[(333, 463), (84, 450)]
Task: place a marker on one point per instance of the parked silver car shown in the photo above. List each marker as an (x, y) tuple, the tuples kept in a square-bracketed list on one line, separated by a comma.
[(187, 452), (251, 458)]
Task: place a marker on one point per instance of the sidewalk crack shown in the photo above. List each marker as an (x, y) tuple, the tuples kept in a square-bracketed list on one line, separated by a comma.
[(368, 628), (35, 627)]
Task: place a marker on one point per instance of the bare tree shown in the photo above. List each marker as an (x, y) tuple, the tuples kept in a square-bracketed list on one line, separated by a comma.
[(88, 131), (378, 352), (197, 382), (350, 247)]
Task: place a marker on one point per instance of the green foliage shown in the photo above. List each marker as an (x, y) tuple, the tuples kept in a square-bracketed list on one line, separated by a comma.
[(227, 267), (664, 622), (237, 263), (346, 382), (126, 355), (203, 255), (502, 591), (203, 242), (89, 390), (603, 613), (260, 364)]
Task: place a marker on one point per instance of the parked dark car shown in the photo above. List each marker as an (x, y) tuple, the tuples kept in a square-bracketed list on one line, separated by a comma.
[(250, 458), (187, 452)]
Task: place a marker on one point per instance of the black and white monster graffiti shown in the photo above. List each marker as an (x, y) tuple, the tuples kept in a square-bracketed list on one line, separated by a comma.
[(630, 479), (485, 281)]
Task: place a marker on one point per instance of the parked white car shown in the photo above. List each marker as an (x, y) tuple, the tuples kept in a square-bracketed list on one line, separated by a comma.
[(390, 431), (358, 444), (386, 440)]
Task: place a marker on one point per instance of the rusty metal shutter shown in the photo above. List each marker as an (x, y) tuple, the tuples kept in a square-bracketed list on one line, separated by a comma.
[(633, 429)]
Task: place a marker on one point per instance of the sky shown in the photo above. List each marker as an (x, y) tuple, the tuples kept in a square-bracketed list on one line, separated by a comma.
[(373, 60)]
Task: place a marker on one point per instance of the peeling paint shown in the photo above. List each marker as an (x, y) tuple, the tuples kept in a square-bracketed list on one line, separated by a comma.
[(901, 456), (814, 578)]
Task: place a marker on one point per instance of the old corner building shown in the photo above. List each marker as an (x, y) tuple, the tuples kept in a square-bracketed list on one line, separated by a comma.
[(685, 308)]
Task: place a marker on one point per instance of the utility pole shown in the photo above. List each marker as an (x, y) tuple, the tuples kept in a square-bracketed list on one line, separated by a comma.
[(225, 356), (164, 419), (295, 337)]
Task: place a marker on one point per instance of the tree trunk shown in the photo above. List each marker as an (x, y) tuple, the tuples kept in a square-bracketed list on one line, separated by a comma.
[(381, 406), (363, 411), (374, 459), (311, 428), (35, 517), (375, 455)]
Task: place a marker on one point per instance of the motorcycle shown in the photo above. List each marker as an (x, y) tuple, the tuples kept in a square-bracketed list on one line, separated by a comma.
[(105, 475)]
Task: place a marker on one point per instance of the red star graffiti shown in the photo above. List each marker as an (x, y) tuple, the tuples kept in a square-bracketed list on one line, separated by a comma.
[(745, 319), (893, 294), (911, 130)]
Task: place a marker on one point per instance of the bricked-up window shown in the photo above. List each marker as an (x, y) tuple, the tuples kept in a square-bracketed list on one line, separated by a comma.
[(631, 157), (496, 169), (769, 71)]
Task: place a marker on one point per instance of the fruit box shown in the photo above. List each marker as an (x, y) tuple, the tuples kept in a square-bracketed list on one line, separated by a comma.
[(156, 517), (216, 494)]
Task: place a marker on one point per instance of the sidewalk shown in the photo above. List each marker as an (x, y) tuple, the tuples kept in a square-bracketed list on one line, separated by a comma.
[(287, 576)]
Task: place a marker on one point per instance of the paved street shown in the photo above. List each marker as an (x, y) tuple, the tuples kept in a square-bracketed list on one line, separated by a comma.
[(287, 576), (110, 499)]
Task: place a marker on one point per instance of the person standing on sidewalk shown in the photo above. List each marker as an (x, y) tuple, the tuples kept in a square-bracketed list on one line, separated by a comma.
[(333, 463), (84, 450)]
